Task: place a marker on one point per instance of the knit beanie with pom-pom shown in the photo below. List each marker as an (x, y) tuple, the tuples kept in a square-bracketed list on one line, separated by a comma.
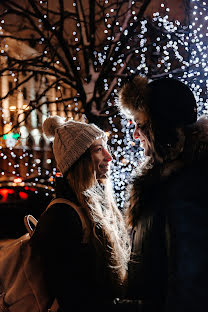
[(70, 139)]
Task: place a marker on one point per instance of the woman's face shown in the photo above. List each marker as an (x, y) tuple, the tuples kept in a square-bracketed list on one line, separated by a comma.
[(141, 121), (101, 158)]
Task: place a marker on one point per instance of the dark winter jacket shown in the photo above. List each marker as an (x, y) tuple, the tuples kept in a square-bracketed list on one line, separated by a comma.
[(75, 271), (169, 262)]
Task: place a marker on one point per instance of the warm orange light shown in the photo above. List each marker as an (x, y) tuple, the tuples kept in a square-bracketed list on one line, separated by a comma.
[(12, 108), (25, 107), (58, 174), (17, 180), (124, 161)]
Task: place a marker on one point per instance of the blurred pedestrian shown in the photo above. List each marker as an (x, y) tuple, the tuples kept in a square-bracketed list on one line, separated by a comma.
[(84, 268), (168, 208)]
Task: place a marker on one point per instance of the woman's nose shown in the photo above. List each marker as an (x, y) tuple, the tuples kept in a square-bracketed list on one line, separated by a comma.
[(108, 156)]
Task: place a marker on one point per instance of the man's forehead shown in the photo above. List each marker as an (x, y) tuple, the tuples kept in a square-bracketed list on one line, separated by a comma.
[(140, 116)]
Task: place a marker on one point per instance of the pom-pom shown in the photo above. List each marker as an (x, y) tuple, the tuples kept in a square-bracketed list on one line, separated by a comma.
[(51, 124)]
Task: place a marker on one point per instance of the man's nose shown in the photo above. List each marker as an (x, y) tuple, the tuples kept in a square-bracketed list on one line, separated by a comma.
[(136, 133)]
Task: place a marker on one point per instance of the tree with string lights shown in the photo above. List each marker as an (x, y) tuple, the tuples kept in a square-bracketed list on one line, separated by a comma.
[(86, 46), (196, 38), (83, 46), (90, 47), (70, 46)]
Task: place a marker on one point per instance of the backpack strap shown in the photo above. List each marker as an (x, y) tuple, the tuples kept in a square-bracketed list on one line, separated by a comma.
[(27, 219), (85, 224)]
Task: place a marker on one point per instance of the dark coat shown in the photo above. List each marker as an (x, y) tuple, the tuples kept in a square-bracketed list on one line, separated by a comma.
[(169, 262), (75, 271)]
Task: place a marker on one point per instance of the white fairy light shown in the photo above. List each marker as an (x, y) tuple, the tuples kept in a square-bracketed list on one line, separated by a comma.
[(173, 43)]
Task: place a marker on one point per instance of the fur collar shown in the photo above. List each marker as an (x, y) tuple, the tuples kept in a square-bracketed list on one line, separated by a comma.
[(148, 177)]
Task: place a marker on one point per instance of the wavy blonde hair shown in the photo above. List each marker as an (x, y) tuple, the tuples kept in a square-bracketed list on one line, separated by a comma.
[(98, 204)]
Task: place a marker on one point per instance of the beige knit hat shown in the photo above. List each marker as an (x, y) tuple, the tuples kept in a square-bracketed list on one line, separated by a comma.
[(71, 139)]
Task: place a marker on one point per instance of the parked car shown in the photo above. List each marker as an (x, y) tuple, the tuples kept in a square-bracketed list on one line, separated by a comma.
[(18, 200)]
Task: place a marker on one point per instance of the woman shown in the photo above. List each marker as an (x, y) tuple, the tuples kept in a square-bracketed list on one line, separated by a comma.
[(167, 209), (85, 268)]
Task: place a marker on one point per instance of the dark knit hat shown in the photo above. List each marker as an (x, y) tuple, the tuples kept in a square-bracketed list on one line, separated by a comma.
[(71, 139), (171, 103)]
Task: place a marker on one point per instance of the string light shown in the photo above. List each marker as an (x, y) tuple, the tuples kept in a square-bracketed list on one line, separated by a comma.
[(175, 50), (194, 68)]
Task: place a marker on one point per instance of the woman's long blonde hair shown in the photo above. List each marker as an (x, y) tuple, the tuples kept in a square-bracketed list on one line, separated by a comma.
[(96, 199)]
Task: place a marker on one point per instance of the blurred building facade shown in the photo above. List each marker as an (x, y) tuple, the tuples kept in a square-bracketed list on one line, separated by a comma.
[(24, 150)]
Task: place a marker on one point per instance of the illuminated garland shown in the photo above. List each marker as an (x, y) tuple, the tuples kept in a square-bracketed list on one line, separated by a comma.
[(191, 43), (179, 51)]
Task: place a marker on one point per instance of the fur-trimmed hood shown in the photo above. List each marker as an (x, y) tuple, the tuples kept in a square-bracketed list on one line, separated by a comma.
[(148, 177)]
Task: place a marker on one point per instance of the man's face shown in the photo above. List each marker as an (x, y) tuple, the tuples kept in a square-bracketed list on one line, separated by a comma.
[(101, 158), (141, 121)]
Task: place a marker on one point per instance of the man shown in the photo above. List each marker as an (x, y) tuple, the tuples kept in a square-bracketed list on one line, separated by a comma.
[(168, 208)]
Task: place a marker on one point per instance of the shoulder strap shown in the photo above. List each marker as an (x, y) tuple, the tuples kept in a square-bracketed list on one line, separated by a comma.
[(27, 220), (85, 225)]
